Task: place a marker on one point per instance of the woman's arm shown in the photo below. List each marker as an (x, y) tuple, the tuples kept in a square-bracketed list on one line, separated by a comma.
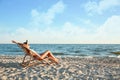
[(16, 42)]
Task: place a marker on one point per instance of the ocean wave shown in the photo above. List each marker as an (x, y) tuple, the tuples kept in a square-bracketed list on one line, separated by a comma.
[(14, 50), (57, 53)]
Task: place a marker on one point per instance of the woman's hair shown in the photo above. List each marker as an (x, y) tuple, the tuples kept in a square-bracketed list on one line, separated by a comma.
[(26, 42)]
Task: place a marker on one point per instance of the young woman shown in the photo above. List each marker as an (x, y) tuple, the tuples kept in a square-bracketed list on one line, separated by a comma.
[(26, 47)]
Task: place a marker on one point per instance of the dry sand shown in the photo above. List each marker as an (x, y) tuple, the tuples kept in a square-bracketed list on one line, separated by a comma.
[(69, 68)]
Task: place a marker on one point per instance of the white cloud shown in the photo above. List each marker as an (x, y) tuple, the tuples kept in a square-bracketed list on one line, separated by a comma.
[(70, 33), (46, 18), (91, 7), (109, 31), (94, 7), (111, 25), (34, 31), (72, 30)]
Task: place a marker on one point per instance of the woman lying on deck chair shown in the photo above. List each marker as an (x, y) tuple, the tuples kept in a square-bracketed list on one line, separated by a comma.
[(25, 46)]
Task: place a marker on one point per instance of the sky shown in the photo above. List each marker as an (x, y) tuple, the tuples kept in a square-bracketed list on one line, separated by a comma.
[(60, 21)]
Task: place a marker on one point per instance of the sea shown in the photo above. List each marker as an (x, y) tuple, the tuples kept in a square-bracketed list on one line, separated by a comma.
[(83, 50)]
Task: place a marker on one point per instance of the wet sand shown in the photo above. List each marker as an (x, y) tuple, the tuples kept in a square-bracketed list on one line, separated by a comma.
[(69, 68)]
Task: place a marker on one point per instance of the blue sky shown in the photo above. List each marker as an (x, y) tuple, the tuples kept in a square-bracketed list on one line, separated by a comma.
[(60, 21)]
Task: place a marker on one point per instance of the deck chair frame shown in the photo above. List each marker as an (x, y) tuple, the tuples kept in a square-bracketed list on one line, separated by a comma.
[(28, 64)]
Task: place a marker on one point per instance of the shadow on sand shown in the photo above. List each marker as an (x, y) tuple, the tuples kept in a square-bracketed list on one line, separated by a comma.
[(8, 65)]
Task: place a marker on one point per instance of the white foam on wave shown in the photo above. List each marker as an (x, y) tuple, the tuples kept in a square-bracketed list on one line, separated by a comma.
[(76, 56), (112, 56), (118, 56)]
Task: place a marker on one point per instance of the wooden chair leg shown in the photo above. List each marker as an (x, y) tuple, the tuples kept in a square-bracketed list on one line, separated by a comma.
[(24, 64), (30, 60), (24, 58)]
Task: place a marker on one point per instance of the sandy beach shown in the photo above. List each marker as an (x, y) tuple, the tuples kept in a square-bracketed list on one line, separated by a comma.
[(69, 68)]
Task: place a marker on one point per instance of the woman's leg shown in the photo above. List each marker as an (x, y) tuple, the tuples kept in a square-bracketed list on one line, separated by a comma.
[(50, 55)]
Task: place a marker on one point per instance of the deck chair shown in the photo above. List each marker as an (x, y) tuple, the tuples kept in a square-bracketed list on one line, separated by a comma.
[(29, 52)]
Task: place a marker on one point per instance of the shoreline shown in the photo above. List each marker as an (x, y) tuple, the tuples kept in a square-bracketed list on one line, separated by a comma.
[(62, 56), (68, 68)]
